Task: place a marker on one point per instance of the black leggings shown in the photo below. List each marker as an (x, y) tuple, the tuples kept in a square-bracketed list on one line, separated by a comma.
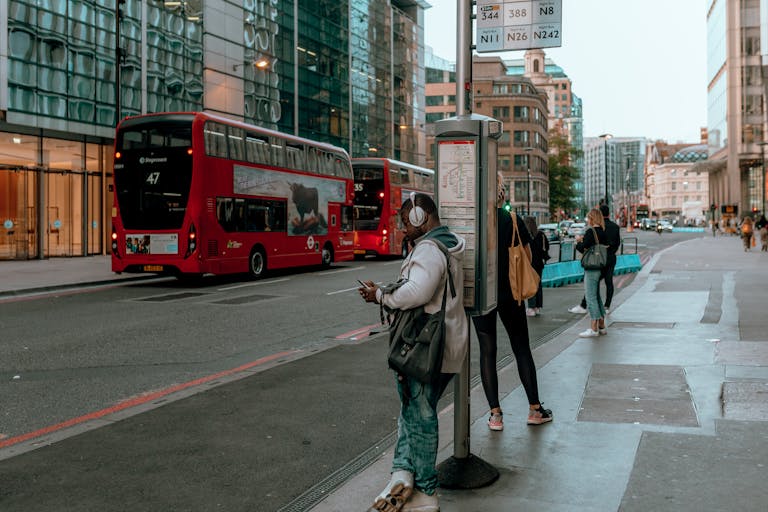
[(516, 324)]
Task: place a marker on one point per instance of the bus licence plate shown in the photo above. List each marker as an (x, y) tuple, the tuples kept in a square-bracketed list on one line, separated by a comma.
[(153, 268)]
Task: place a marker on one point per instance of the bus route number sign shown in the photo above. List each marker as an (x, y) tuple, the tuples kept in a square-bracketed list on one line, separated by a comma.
[(518, 25)]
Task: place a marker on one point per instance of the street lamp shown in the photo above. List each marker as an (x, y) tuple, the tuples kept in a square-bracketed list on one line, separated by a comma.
[(528, 182), (605, 138)]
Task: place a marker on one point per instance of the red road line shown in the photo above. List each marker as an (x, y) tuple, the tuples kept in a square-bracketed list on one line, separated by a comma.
[(132, 402)]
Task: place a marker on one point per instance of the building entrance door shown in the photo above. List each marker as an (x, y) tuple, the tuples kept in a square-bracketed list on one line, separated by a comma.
[(64, 214), (17, 214)]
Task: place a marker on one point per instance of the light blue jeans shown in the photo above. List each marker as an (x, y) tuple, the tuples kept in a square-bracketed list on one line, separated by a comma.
[(417, 434), (592, 294)]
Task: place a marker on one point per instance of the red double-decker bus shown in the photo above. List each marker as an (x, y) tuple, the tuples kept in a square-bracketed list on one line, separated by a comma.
[(381, 186), (197, 193)]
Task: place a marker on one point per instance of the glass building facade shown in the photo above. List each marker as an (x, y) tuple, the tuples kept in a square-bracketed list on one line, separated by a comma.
[(737, 33), (348, 73)]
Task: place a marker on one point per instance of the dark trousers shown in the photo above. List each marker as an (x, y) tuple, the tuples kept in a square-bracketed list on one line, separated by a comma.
[(606, 275)]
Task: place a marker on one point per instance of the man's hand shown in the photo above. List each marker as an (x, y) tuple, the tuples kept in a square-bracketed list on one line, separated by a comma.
[(368, 292)]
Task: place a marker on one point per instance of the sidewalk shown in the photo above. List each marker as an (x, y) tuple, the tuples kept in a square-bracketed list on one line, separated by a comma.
[(669, 411), (53, 273), (666, 413)]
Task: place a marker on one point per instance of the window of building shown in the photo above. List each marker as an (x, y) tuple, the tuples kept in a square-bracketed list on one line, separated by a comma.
[(501, 112)]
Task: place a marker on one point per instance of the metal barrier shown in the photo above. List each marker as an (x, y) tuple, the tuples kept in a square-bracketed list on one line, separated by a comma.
[(569, 271)]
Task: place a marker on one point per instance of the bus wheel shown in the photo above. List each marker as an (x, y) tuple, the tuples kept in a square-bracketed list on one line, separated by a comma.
[(327, 255), (257, 263)]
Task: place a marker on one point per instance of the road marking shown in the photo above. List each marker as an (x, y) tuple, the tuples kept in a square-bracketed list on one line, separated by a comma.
[(133, 402), (339, 271), (253, 284), (358, 334), (346, 290)]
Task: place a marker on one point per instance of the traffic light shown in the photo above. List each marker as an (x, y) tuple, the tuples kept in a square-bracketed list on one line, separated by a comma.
[(508, 206)]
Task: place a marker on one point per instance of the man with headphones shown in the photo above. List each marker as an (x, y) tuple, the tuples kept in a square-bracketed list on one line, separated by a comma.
[(413, 484)]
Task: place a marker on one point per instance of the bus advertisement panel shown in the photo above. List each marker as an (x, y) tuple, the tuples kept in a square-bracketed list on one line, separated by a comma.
[(197, 193), (381, 187)]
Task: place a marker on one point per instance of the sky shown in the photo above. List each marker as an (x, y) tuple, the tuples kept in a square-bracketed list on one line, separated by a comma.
[(639, 66)]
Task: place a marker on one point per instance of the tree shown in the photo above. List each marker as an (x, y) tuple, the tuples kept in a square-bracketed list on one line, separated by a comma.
[(562, 174)]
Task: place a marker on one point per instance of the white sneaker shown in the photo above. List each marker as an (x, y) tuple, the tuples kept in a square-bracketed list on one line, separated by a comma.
[(607, 311), (577, 310), (602, 331), (530, 312), (396, 493), (589, 333), (421, 502)]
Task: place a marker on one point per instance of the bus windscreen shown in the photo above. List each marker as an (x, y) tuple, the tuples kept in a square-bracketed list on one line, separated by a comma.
[(369, 187), (153, 174)]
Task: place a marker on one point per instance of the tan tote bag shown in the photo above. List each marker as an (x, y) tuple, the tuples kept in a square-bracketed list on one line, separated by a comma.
[(523, 279)]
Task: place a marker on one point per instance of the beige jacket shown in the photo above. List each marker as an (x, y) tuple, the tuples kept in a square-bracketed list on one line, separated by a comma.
[(425, 271)]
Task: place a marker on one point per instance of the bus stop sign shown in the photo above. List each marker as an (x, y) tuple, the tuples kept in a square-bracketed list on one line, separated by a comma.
[(518, 25)]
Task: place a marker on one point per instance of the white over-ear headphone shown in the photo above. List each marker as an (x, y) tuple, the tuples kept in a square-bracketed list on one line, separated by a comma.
[(417, 216)]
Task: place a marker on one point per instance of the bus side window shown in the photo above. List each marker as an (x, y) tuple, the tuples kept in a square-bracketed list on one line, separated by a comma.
[(235, 143), (257, 150), (278, 215), (224, 210), (346, 218), (404, 177), (215, 139), (295, 157), (277, 152), (238, 216), (394, 176)]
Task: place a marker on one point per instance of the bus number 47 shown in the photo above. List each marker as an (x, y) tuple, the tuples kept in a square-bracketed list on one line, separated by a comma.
[(153, 178)]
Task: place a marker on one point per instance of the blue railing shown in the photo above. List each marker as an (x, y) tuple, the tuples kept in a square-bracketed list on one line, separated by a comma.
[(566, 269)]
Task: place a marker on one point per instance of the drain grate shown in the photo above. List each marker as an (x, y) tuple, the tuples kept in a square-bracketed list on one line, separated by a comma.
[(173, 296), (246, 299), (322, 489)]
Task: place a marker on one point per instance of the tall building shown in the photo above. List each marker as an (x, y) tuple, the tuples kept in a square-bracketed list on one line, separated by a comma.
[(613, 171), (737, 54), (350, 73), (563, 106), (522, 109), (674, 188)]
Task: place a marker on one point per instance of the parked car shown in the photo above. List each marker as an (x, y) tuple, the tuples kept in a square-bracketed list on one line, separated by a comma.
[(665, 225), (577, 229), (551, 231), (563, 227)]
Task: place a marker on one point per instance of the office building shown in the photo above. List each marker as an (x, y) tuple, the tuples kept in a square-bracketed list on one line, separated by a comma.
[(613, 170), (523, 146), (737, 78), (350, 73), (564, 107)]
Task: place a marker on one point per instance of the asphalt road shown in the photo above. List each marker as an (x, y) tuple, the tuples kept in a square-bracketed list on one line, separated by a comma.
[(330, 401)]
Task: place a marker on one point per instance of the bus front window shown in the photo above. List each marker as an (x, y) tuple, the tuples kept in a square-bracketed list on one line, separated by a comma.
[(369, 191), (153, 175)]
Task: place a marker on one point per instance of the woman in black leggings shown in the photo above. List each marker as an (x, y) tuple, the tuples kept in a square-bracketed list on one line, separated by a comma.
[(515, 323)]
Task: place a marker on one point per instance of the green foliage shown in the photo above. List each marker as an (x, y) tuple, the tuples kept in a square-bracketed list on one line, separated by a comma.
[(562, 174)]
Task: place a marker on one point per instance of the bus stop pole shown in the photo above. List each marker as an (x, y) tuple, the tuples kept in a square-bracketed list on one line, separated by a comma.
[(464, 470)]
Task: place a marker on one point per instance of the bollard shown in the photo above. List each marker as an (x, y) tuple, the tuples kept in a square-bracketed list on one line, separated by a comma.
[(464, 470)]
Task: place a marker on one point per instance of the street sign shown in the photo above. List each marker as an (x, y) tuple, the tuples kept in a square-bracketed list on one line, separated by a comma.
[(518, 25)]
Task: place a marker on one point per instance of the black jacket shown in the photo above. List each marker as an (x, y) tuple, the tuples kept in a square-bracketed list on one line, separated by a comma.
[(612, 240), (589, 240), (539, 252)]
